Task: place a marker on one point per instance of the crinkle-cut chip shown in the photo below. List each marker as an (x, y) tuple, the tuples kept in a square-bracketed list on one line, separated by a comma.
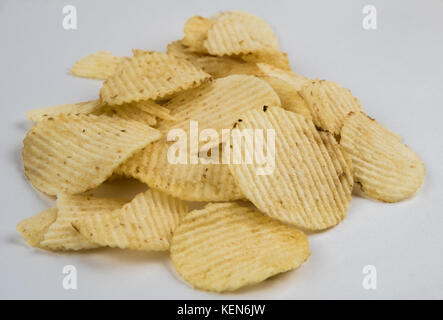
[(129, 112), (150, 76), (191, 182), (145, 223), (195, 31), (217, 67), (290, 98), (329, 104), (61, 235), (100, 65), (288, 76), (219, 104), (33, 229), (272, 57), (74, 108), (75, 153), (155, 109), (310, 182), (239, 32), (226, 246), (385, 168)]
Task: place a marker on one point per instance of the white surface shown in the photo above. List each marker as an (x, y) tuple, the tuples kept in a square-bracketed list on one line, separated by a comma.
[(396, 72)]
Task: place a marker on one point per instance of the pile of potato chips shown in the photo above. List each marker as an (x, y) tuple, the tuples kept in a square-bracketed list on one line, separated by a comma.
[(226, 72)]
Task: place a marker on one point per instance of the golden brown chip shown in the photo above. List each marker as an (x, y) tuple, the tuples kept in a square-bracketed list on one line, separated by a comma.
[(75, 153), (195, 31), (74, 108), (309, 184), (33, 229), (145, 223), (100, 65), (225, 246), (329, 104), (192, 182), (150, 75), (61, 235), (385, 168), (238, 32)]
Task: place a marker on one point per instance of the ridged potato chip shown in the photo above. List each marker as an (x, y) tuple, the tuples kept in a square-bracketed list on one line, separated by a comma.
[(225, 246), (329, 104), (129, 112), (217, 105), (191, 182), (195, 31), (289, 96), (239, 32), (217, 67), (150, 76), (296, 81), (385, 168), (145, 223), (33, 229), (311, 182), (272, 57), (100, 65), (74, 108), (61, 235), (75, 153)]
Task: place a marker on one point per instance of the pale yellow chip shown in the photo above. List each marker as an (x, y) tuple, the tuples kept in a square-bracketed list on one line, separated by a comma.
[(100, 65), (290, 98), (225, 246), (130, 112), (329, 103), (192, 182), (75, 153), (385, 168), (238, 32), (155, 109), (195, 31), (61, 235), (74, 108), (150, 75), (219, 104), (272, 57), (217, 67), (33, 229), (292, 78), (145, 223), (310, 183)]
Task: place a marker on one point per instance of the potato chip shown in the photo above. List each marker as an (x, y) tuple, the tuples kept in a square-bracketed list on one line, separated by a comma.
[(195, 31), (100, 65), (129, 111), (329, 103), (61, 235), (293, 79), (155, 109), (75, 153), (217, 67), (150, 76), (218, 105), (225, 246), (290, 98), (272, 57), (74, 108), (145, 223), (33, 229), (192, 182), (310, 183), (385, 168), (238, 33)]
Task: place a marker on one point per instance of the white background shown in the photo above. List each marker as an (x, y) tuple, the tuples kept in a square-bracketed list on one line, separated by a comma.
[(396, 71)]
